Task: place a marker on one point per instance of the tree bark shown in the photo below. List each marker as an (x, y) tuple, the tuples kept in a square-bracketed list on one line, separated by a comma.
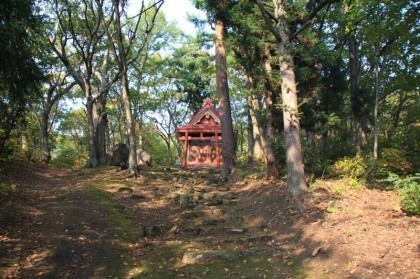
[(250, 137), (375, 113), (228, 141), (270, 134), (379, 68), (92, 151), (256, 140), (270, 158), (100, 121), (131, 128), (396, 117), (24, 141), (323, 145), (356, 102), (125, 96), (45, 148), (140, 142), (93, 161), (258, 137), (100, 114), (296, 183)]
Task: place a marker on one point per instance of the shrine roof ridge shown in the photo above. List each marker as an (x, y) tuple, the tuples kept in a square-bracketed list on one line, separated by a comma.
[(207, 109)]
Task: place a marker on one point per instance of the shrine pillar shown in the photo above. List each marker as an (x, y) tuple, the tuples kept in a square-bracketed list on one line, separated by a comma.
[(217, 149), (184, 153)]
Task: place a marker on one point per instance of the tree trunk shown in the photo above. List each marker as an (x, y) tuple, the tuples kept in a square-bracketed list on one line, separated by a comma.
[(375, 141), (323, 145), (3, 140), (356, 102), (93, 161), (92, 153), (131, 128), (250, 136), (258, 136), (296, 183), (120, 124), (110, 137), (100, 114), (45, 148), (378, 71), (396, 117), (254, 141), (100, 121), (168, 155), (49, 102), (228, 142), (309, 140), (125, 96), (271, 162), (270, 158), (140, 143), (24, 142)]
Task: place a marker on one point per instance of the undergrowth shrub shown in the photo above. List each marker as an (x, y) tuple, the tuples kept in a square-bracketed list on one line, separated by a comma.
[(6, 189), (392, 160), (250, 169), (66, 157), (409, 189), (318, 166), (354, 169)]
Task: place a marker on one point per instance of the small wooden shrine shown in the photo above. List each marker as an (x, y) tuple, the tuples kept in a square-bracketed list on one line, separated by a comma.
[(202, 138)]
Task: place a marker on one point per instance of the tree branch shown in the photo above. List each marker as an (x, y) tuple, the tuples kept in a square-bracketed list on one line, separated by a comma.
[(267, 18), (311, 16)]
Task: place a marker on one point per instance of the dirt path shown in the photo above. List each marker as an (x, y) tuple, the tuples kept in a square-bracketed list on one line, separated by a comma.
[(57, 227), (186, 224)]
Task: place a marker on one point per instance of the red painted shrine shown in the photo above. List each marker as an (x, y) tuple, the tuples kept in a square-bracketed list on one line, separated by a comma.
[(202, 138)]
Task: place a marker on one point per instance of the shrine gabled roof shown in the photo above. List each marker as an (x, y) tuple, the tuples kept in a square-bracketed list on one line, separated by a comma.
[(206, 110)]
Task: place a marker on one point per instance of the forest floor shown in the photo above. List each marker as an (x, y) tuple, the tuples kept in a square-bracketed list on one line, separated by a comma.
[(170, 223)]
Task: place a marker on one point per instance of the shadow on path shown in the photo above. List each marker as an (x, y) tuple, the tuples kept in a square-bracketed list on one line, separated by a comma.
[(62, 228)]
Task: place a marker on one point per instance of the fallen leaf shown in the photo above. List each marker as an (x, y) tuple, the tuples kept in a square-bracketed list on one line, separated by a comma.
[(316, 251)]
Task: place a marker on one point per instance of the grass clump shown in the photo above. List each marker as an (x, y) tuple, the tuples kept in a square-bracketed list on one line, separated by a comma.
[(409, 189)]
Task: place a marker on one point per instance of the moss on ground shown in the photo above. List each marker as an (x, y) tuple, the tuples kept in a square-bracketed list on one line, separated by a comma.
[(123, 230)]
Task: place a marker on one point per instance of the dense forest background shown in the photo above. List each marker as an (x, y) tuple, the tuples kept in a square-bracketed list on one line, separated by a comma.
[(78, 77)]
